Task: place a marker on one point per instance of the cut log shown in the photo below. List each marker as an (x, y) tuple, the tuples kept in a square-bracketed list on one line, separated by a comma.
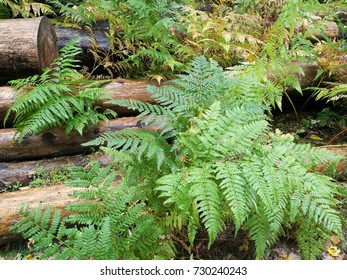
[(53, 143), (136, 89), (23, 172), (27, 46), (118, 89), (329, 30), (85, 38), (310, 72), (58, 198)]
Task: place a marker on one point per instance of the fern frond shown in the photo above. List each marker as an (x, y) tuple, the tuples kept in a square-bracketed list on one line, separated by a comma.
[(143, 107), (258, 227), (239, 197), (143, 142), (310, 239), (208, 200), (60, 96)]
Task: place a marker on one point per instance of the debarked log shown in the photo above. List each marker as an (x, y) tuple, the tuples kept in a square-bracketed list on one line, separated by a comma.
[(58, 197), (27, 46), (23, 172), (117, 89), (54, 142)]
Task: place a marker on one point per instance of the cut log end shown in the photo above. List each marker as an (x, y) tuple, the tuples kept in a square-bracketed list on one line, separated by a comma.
[(46, 44), (27, 46)]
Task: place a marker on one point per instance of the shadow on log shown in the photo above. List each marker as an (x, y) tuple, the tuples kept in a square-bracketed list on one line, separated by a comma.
[(23, 172)]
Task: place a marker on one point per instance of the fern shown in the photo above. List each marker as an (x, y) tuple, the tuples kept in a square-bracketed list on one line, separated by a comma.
[(59, 96), (27, 8), (108, 224), (223, 164)]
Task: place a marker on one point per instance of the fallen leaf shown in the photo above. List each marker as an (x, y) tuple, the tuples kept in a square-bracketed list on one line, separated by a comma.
[(29, 256), (315, 137), (335, 240), (333, 251), (293, 256)]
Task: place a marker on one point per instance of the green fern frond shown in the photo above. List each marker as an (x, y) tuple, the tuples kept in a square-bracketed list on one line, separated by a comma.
[(310, 239), (208, 199), (143, 107), (26, 9), (60, 96), (143, 142), (239, 197), (258, 227)]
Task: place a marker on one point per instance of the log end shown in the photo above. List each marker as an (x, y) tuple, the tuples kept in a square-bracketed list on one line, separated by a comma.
[(46, 44), (27, 46)]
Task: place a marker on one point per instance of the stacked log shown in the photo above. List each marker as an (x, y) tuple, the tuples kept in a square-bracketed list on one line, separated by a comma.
[(54, 142), (58, 197), (117, 89)]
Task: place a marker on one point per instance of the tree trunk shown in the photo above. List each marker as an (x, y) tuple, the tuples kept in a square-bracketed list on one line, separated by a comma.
[(27, 46), (23, 172), (118, 89), (54, 142)]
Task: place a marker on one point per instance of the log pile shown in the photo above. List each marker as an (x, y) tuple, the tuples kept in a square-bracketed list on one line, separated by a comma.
[(58, 197), (14, 158)]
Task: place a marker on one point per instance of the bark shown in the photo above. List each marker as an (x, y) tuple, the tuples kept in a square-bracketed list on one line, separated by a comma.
[(88, 39), (27, 46), (118, 89), (23, 172), (54, 142)]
